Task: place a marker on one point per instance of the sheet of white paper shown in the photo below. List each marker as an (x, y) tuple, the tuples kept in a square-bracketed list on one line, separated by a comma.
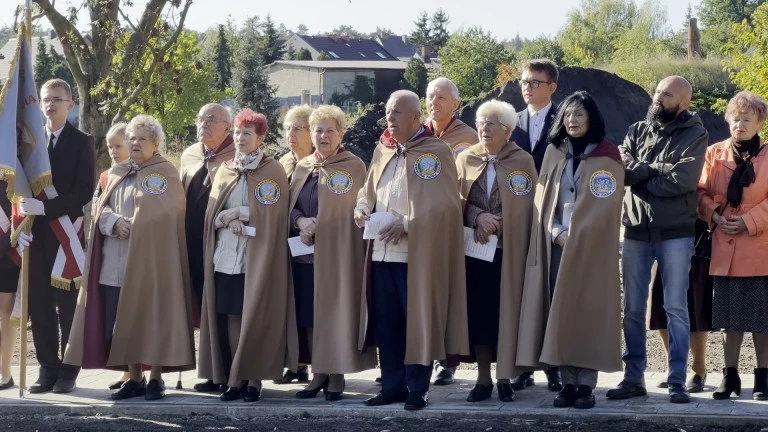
[(377, 221), (249, 231), (298, 248), (474, 249), (567, 214)]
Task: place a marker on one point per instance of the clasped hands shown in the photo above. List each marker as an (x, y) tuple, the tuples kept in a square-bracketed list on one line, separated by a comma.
[(731, 225), (487, 224), (307, 228)]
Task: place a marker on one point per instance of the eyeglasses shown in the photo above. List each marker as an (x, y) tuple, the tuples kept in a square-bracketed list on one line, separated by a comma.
[(294, 128), (482, 123), (533, 83), (54, 101), (207, 121)]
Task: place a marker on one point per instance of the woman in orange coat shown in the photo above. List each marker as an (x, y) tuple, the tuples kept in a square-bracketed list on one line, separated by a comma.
[(733, 199)]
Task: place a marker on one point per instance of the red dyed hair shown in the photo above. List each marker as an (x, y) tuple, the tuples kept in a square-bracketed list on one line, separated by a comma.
[(250, 118)]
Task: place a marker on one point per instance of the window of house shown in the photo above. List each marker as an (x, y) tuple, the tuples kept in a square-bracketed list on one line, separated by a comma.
[(333, 54), (362, 55), (381, 55), (305, 97)]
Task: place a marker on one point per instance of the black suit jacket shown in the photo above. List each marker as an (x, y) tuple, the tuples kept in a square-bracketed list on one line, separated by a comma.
[(521, 137), (73, 169)]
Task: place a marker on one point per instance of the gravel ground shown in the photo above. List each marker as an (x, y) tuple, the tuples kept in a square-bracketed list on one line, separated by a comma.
[(343, 424)]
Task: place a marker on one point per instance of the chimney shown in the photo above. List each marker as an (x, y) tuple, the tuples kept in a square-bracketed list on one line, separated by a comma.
[(425, 51), (405, 39), (694, 40)]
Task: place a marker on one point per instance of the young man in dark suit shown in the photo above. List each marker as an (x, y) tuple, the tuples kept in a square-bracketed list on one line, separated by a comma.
[(537, 83), (73, 167)]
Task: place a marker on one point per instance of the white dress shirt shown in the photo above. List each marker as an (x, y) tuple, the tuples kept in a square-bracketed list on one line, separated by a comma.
[(536, 123), (56, 134)]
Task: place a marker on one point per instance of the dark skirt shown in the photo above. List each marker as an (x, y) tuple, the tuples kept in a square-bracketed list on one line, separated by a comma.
[(229, 293), (9, 280), (741, 304), (304, 293), (483, 293), (111, 297), (699, 298)]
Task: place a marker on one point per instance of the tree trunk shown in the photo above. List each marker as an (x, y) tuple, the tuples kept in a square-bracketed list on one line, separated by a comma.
[(96, 124)]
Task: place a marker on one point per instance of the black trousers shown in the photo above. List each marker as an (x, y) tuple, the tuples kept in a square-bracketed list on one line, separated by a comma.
[(390, 302), (51, 309)]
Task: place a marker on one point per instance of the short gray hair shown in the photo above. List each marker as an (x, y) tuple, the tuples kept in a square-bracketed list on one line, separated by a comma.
[(152, 126), (116, 129), (446, 82), (503, 111)]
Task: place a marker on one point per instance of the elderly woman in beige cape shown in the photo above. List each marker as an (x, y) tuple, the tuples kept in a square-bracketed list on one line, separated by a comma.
[(246, 269), (496, 180), (299, 141), (570, 313), (297, 138), (135, 307), (327, 283)]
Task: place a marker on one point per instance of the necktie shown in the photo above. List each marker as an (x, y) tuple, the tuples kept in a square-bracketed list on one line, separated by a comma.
[(490, 176), (50, 142)]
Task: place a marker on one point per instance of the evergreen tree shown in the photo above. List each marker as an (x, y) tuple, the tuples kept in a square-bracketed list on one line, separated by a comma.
[(60, 69), (415, 77), (323, 56), (270, 46), (43, 63), (290, 54), (303, 54), (438, 30), (421, 35), (302, 29), (223, 58), (250, 81)]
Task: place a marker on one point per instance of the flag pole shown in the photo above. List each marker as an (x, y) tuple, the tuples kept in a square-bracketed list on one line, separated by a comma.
[(24, 257)]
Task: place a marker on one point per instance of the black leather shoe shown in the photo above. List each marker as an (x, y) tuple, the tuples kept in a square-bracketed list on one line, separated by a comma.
[(7, 385), (384, 399), (312, 393), (677, 394), (417, 401), (445, 377), (731, 383), (554, 382), (626, 390), (522, 381), (155, 390), (130, 389), (480, 393), (301, 375), (208, 387), (584, 398), (232, 393), (505, 392), (251, 394), (696, 383), (41, 386), (64, 385), (566, 397), (115, 385), (332, 396)]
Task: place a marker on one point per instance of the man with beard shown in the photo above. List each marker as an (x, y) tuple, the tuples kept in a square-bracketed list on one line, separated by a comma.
[(198, 166), (664, 156)]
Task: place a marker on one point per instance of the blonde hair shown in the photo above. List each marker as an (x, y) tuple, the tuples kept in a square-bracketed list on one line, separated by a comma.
[(152, 126), (57, 83), (328, 112), (298, 112), (502, 110), (116, 129)]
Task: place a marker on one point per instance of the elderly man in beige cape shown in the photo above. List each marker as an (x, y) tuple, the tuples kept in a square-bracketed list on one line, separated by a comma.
[(442, 103), (198, 166), (416, 281)]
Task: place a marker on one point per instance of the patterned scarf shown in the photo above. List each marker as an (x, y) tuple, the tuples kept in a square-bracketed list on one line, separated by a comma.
[(241, 163)]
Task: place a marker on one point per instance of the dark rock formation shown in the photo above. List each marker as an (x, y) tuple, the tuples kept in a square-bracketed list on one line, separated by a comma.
[(621, 103)]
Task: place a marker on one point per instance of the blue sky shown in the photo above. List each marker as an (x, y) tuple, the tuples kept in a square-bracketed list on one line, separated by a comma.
[(505, 19)]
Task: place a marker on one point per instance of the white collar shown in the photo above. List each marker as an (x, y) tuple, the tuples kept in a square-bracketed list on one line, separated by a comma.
[(546, 108)]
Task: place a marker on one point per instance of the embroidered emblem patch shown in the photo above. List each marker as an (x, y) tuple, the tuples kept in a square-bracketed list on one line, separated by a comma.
[(267, 192), (427, 166), (340, 182), (519, 183), (602, 184), (154, 184), (458, 149)]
